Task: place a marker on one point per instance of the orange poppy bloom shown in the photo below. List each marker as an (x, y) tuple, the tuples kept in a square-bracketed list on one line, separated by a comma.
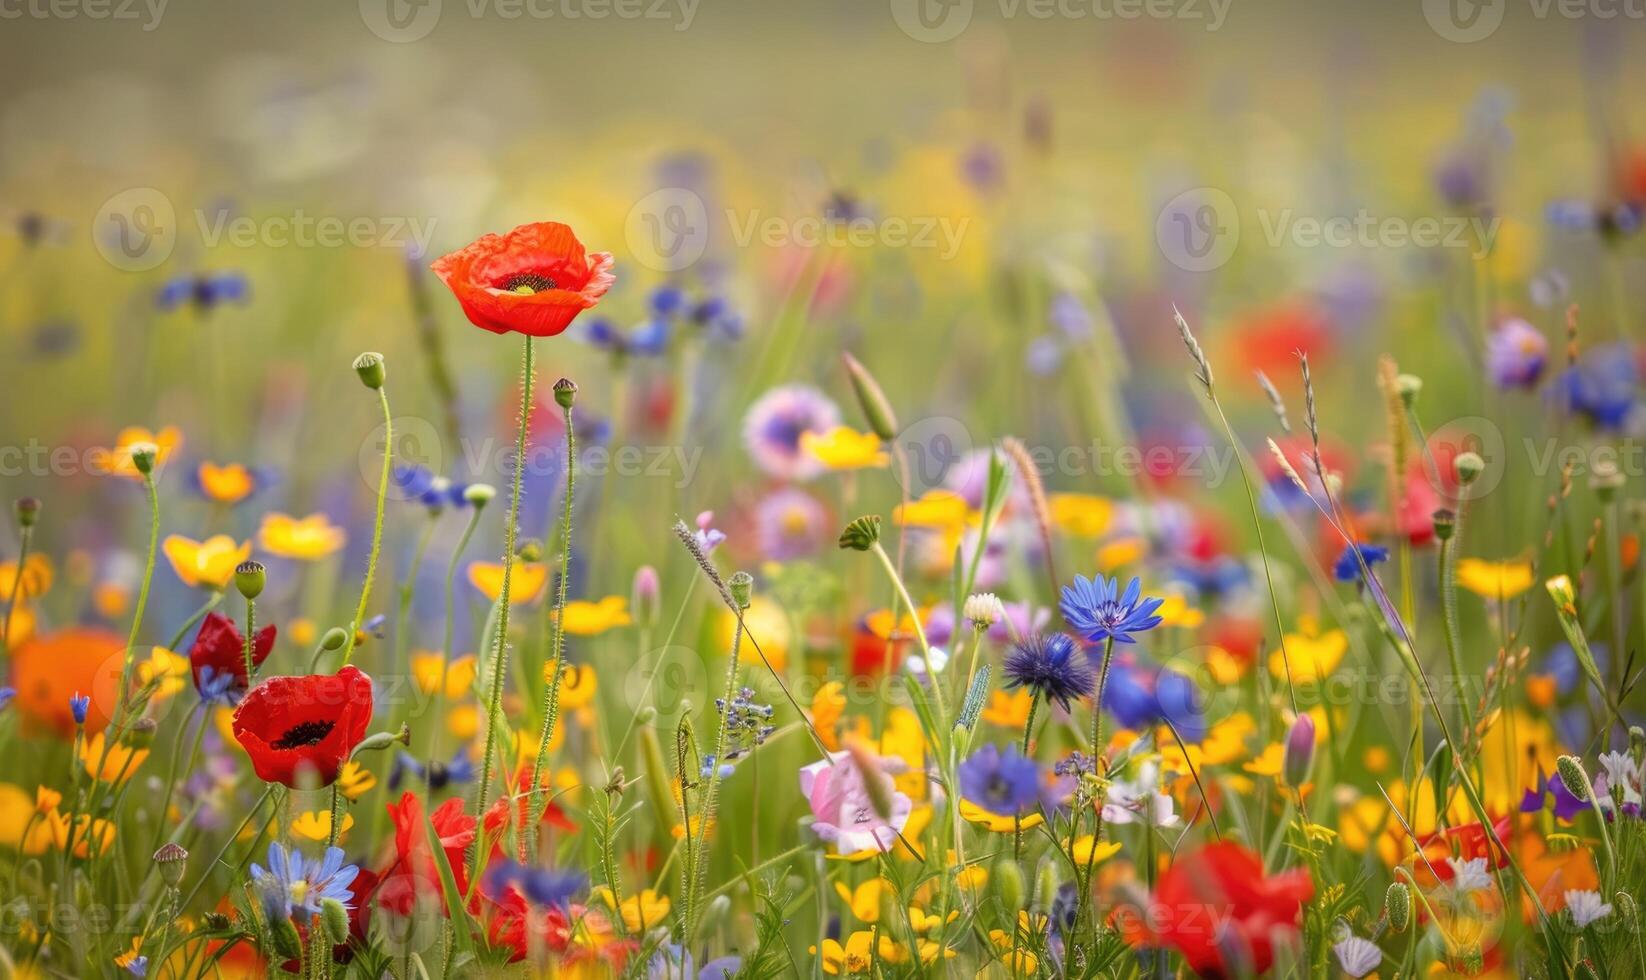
[(533, 280), (50, 669)]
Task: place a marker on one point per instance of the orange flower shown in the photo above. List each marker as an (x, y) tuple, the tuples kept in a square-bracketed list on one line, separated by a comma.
[(306, 539), (226, 484), (118, 460), (50, 669), (533, 280)]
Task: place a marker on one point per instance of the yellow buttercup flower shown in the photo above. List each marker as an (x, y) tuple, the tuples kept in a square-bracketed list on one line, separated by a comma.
[(923, 922), (226, 484), (428, 668), (936, 509), (844, 448), (525, 584), (1083, 848), (640, 912), (117, 460), (865, 900), (1082, 515), (1494, 579), (1313, 655), (1121, 552), (306, 539), (858, 953), (168, 672), (21, 828), (315, 825), (205, 564), (593, 618), (1000, 823), (38, 575), (355, 781), (578, 684), (118, 763), (1270, 763), (1176, 611)]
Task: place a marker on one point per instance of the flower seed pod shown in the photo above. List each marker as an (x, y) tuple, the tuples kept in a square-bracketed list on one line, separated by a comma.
[(479, 494), (27, 510), (370, 368), (1445, 523), (143, 455), (336, 918), (877, 411), (741, 585), (861, 534), (250, 577), (565, 393), (171, 860), (1397, 906), (1408, 387), (1468, 466)]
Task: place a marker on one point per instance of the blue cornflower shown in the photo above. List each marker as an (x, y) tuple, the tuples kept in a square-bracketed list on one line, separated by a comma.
[(541, 886), (6, 694), (1098, 611), (428, 488), (1347, 568), (667, 301), (1049, 665), (1004, 783), (219, 686), (717, 319), (205, 291), (79, 704), (1139, 699), (1602, 386), (293, 882), (649, 338), (435, 773)]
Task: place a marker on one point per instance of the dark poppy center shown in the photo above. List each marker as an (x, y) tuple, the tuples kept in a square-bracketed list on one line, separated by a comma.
[(527, 283), (307, 733)]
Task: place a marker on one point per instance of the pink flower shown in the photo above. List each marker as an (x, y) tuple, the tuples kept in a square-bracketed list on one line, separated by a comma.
[(842, 811)]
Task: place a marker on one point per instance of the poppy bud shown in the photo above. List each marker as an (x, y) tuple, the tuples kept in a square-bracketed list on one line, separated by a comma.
[(336, 918), (530, 549), (479, 494), (376, 742), (287, 942), (861, 534), (1468, 466), (741, 585), (1300, 750), (1571, 773), (1007, 878), (877, 411), (142, 456), (1408, 386), (370, 368), (141, 733), (334, 638), (249, 578), (172, 861), (565, 393), (1397, 906), (28, 511), (1045, 883)]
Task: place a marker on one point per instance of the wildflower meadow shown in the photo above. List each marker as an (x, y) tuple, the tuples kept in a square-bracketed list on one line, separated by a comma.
[(700, 491)]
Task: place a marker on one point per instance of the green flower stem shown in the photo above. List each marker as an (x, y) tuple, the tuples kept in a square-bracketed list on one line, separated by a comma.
[(228, 842), (551, 688), (336, 814), (695, 882), (1447, 558), (919, 630), (377, 525), (251, 629), (211, 602), (25, 537), (451, 622), (137, 614), (500, 646)]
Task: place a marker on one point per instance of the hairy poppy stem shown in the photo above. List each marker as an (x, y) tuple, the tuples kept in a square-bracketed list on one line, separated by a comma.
[(500, 646), (377, 525), (551, 690)]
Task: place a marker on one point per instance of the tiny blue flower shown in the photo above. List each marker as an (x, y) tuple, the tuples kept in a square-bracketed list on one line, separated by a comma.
[(79, 704), (6, 694), (1347, 568)]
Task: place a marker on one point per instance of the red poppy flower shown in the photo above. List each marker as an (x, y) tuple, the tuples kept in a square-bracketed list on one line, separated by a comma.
[(1217, 901), (414, 870), (533, 280), (304, 728), (221, 646)]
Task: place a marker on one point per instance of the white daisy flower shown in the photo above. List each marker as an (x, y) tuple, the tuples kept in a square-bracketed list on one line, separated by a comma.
[(1469, 876), (1586, 907), (1357, 956)]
